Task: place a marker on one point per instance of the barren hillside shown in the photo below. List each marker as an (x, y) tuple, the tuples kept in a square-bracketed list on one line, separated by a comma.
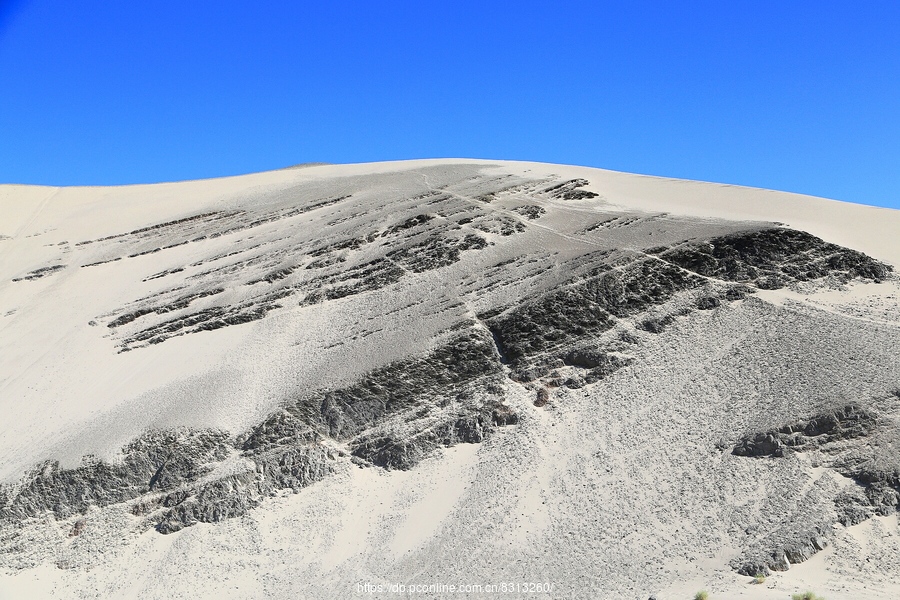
[(321, 382)]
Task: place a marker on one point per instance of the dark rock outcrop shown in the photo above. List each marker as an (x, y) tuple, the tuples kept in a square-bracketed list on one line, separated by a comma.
[(39, 273), (345, 412), (530, 211), (772, 258), (279, 429), (781, 559), (569, 190), (708, 302), (292, 467), (840, 435), (174, 472), (159, 460), (470, 426), (435, 252), (586, 307), (845, 423)]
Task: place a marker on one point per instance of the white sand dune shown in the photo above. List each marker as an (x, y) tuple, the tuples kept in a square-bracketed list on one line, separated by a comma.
[(210, 305)]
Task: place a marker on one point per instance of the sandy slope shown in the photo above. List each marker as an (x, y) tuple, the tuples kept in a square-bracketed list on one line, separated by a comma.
[(617, 489)]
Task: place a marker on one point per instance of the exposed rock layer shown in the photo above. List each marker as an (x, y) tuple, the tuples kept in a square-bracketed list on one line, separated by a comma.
[(851, 440)]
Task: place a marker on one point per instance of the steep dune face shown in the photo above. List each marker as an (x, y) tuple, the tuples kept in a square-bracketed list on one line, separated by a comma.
[(495, 370)]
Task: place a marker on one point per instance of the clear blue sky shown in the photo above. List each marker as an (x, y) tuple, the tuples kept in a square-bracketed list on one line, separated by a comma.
[(799, 96)]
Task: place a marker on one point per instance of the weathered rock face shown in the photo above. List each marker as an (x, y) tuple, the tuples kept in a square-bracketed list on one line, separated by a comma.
[(172, 471), (288, 468), (772, 258), (405, 385), (155, 462), (403, 451), (845, 423), (279, 429), (792, 546), (586, 307), (852, 441)]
